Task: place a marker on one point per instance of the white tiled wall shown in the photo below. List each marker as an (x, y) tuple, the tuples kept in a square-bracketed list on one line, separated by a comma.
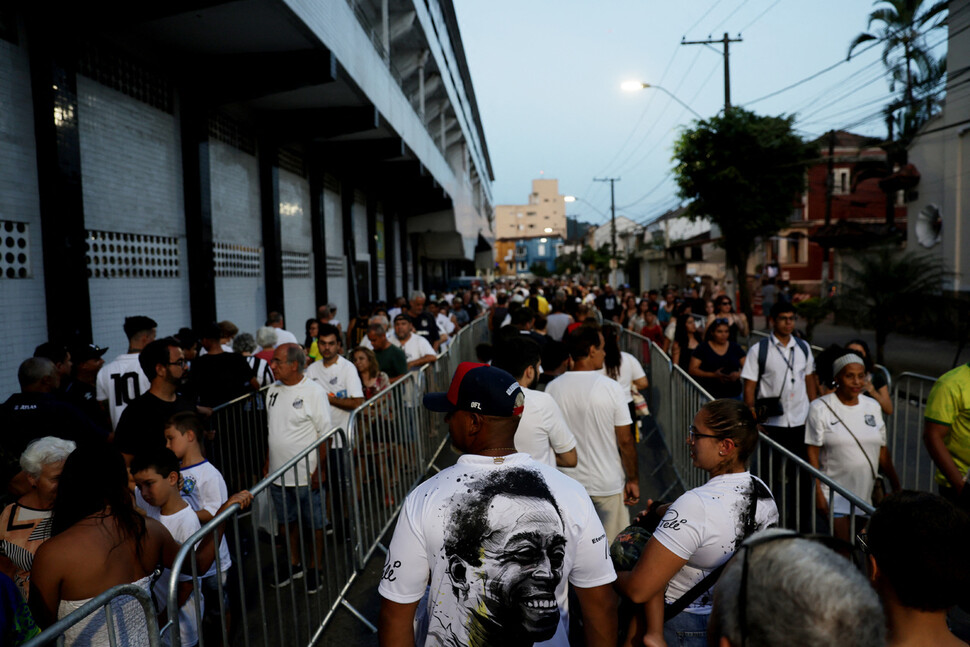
[(23, 317), (132, 183), (235, 218), (296, 236)]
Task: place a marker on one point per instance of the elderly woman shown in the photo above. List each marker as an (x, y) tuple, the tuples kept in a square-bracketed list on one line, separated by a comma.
[(26, 524), (245, 345), (845, 438), (266, 338), (700, 530)]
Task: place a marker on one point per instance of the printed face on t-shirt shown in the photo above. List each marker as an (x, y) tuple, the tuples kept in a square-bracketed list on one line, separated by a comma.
[(505, 561)]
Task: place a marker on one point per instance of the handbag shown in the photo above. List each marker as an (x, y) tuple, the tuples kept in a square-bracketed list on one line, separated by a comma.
[(640, 404), (878, 485)]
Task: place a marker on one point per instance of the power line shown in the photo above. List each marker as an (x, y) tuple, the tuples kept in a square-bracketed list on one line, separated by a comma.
[(759, 17)]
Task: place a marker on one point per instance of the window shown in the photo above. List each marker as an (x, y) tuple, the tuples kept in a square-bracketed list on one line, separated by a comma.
[(522, 266), (520, 252), (542, 250), (530, 213), (841, 184), (797, 248), (532, 226)]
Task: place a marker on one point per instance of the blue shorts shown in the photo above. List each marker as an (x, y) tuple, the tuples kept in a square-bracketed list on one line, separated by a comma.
[(311, 504)]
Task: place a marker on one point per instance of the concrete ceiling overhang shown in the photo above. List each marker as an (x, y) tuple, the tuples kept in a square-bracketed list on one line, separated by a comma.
[(256, 61)]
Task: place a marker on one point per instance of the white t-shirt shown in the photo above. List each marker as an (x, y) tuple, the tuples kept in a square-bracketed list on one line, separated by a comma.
[(415, 347), (444, 324), (630, 370), (298, 415), (593, 406), (181, 525), (120, 382), (285, 337), (342, 380), (542, 431), (840, 458), (706, 526), (779, 380), (556, 325), (493, 568), (203, 488)]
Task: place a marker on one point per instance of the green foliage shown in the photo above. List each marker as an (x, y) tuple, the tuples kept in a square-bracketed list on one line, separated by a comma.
[(742, 171), (597, 260), (885, 288), (814, 311), (568, 264), (907, 58), (540, 270)]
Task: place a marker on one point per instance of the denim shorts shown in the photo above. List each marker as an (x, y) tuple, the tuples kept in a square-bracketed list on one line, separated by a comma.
[(311, 504)]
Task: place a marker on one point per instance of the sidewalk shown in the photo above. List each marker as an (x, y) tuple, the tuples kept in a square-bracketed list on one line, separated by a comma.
[(924, 355)]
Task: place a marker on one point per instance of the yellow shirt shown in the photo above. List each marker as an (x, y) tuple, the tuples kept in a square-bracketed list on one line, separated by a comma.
[(949, 404)]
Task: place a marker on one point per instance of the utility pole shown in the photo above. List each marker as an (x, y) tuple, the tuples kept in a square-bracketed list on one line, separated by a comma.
[(829, 190), (726, 41), (613, 261)]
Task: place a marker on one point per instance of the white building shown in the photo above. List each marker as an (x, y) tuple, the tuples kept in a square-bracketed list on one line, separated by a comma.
[(937, 219)]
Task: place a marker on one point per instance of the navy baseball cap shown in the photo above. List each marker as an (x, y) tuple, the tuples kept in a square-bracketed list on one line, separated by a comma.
[(482, 389)]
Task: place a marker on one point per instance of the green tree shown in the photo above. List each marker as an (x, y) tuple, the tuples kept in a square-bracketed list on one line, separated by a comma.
[(884, 288), (540, 270), (907, 57), (568, 264), (814, 311), (743, 172)]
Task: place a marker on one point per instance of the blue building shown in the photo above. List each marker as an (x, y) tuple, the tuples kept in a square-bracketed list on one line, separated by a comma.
[(529, 251)]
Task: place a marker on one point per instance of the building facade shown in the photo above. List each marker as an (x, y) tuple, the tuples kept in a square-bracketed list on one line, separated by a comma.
[(205, 161), (545, 213)]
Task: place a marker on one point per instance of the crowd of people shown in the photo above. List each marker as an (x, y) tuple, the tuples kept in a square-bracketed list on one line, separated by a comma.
[(109, 461)]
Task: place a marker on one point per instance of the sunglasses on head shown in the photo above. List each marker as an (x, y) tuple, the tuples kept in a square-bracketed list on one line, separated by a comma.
[(836, 544)]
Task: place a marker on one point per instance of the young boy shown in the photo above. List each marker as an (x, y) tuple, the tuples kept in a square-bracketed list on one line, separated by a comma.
[(204, 489), (156, 474)]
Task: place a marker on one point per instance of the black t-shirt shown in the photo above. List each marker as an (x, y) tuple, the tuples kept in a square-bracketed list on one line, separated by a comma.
[(729, 362), (609, 305), (84, 397), (25, 417), (142, 423), (217, 379), (425, 326)]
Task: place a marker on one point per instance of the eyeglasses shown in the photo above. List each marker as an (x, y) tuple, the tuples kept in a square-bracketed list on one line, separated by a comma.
[(862, 539), (179, 362), (722, 320), (693, 434), (750, 544)]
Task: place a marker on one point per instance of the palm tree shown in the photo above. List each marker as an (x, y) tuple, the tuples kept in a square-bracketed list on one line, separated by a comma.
[(905, 53), (884, 288)]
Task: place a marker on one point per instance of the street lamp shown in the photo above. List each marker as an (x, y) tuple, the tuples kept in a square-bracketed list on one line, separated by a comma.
[(633, 86)]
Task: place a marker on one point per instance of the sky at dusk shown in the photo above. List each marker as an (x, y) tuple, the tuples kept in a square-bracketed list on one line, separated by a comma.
[(547, 78)]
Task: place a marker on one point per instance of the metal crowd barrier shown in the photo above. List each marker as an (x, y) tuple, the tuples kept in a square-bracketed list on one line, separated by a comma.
[(109, 605), (904, 428), (676, 398), (282, 587), (392, 441), (236, 444)]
